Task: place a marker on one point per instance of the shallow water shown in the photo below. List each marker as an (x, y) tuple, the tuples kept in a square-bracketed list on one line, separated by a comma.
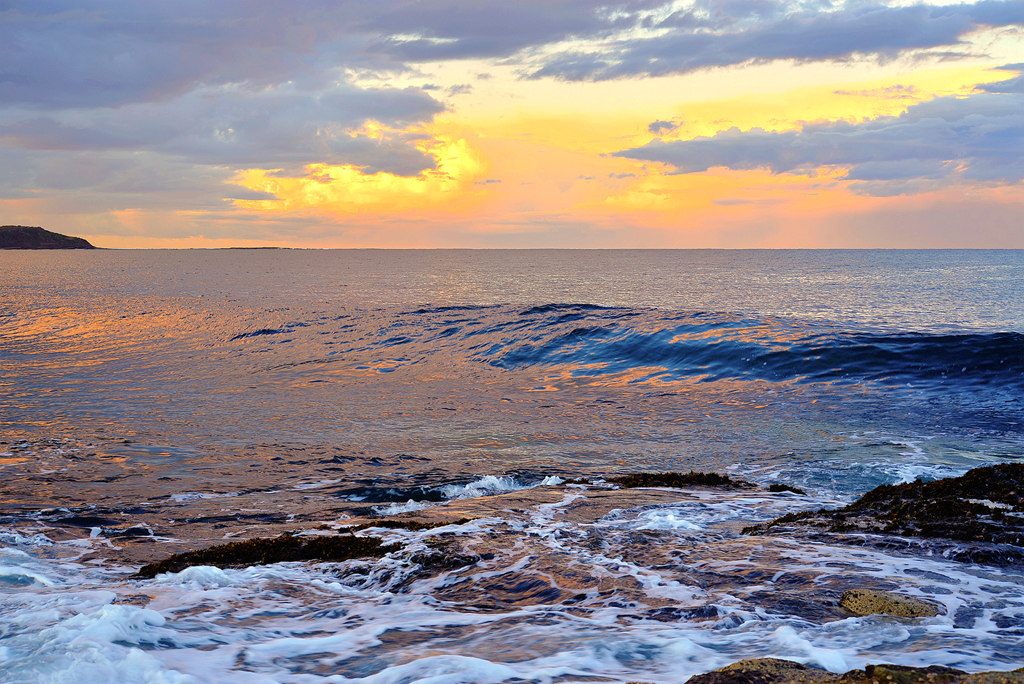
[(155, 401)]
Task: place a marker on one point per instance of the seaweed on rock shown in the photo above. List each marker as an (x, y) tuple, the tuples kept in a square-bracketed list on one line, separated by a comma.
[(984, 507), (779, 487), (262, 551), (678, 480), (777, 671), (411, 525)]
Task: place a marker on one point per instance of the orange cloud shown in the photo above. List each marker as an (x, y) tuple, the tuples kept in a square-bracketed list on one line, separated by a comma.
[(522, 171), (347, 189)]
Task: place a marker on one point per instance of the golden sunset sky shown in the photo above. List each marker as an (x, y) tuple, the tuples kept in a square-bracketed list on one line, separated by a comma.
[(466, 123)]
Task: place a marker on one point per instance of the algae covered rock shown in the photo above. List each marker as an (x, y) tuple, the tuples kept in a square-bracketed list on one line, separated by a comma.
[(984, 507), (287, 547), (765, 671), (678, 480), (870, 602), (901, 674), (778, 671), (779, 487)]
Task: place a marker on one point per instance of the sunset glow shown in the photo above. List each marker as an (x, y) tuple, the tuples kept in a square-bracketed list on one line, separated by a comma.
[(567, 125)]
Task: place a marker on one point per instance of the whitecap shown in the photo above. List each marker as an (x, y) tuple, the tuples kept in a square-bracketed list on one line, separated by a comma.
[(197, 577), (194, 496), (18, 576)]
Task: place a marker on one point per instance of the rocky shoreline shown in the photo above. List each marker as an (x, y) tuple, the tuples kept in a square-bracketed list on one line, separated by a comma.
[(980, 510), (977, 517), (778, 671)]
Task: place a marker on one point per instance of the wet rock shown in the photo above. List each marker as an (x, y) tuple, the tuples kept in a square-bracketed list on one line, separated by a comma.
[(984, 508), (765, 671), (33, 237), (678, 480), (870, 602), (901, 674), (287, 547), (777, 671), (408, 524), (1014, 677), (779, 487), (673, 614)]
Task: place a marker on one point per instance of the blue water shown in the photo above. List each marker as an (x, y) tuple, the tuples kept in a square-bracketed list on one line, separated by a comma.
[(150, 400)]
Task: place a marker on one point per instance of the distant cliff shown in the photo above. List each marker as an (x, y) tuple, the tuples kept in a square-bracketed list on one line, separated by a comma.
[(31, 237)]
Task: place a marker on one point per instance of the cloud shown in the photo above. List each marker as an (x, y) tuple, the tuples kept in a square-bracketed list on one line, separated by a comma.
[(143, 104), (95, 54), (429, 30), (192, 89), (661, 127), (713, 34), (1013, 85), (240, 127), (940, 142)]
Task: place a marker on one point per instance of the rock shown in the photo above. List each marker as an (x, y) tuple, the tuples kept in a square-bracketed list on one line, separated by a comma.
[(1014, 677), (779, 487), (901, 674), (870, 602), (407, 524), (287, 547), (984, 507), (32, 237), (777, 671), (678, 480), (765, 671)]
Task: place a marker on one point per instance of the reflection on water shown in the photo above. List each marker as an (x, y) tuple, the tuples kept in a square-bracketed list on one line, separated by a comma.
[(152, 401), (214, 353)]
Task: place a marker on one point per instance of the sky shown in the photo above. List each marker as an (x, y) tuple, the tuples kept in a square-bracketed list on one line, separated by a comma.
[(528, 123)]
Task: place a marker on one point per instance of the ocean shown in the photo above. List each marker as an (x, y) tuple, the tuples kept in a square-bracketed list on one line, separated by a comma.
[(157, 401)]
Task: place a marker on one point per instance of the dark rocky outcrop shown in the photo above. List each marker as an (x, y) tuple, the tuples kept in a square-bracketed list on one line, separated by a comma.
[(777, 671), (779, 487), (32, 237), (984, 508), (287, 547), (678, 480), (410, 524)]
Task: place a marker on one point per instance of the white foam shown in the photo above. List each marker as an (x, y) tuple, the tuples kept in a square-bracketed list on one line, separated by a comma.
[(20, 540), (407, 507), (485, 486), (443, 669), (801, 643), (198, 577), (92, 645), (12, 574), (315, 485), (489, 484), (194, 496), (665, 520), (391, 622)]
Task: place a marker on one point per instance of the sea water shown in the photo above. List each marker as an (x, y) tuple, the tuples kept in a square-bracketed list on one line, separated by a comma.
[(155, 401)]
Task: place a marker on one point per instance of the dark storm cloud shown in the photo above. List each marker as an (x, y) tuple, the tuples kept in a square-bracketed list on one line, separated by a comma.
[(947, 140)]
